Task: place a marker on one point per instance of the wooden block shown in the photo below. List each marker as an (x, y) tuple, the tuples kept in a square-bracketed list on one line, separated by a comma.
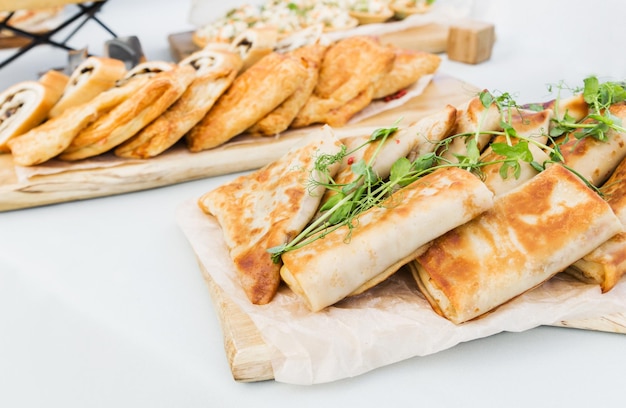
[(470, 41)]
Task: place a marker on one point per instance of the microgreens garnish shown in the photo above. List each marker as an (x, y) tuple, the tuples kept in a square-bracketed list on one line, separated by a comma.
[(368, 189)]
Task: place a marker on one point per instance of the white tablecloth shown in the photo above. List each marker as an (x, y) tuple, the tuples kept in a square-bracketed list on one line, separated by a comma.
[(102, 303)]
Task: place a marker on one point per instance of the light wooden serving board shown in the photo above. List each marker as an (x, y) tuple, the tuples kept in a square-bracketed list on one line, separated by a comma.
[(180, 165)]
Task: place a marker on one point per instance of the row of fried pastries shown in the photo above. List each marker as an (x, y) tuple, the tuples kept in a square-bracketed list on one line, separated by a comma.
[(207, 99)]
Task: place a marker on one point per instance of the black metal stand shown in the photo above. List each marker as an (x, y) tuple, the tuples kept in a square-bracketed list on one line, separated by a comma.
[(86, 12)]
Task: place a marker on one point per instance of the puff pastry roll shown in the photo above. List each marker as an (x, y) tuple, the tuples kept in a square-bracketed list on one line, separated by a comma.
[(215, 72), (92, 76), (24, 106), (606, 264), (349, 70), (253, 44), (408, 67), (386, 237), (55, 80), (266, 208), (252, 95), (280, 118), (130, 116), (146, 69), (52, 137), (532, 232)]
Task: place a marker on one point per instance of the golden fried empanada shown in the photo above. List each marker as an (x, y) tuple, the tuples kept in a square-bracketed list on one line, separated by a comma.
[(215, 72), (408, 67), (130, 116), (253, 94)]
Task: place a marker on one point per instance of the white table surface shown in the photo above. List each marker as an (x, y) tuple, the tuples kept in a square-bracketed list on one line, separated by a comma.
[(102, 303)]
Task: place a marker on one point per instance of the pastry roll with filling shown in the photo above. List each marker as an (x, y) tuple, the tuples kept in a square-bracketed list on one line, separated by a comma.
[(267, 208), (472, 120), (532, 232), (91, 77), (347, 262), (52, 137), (55, 80), (594, 159), (531, 125), (280, 118), (24, 106), (349, 70), (606, 264), (252, 95), (126, 119), (215, 72), (146, 69), (253, 44)]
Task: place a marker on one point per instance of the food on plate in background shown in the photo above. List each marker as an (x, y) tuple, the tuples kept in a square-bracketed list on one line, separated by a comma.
[(33, 21), (91, 77), (25, 105), (370, 11), (405, 8)]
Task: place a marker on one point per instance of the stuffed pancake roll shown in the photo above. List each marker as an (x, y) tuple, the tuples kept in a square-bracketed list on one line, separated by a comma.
[(530, 234), (346, 262), (606, 264)]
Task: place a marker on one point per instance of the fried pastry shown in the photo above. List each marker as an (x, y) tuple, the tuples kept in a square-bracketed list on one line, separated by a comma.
[(130, 116), (146, 69), (280, 118), (215, 72), (91, 77), (253, 44), (52, 137), (268, 207), (253, 94), (408, 67), (349, 70), (24, 106)]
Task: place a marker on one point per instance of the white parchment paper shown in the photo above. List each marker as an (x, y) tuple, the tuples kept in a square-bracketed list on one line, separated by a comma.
[(389, 323)]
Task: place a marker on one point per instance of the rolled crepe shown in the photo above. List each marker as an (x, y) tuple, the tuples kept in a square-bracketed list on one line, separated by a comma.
[(473, 119), (529, 124), (253, 95), (606, 264), (24, 106), (130, 116), (593, 159), (52, 137), (384, 238), (91, 77), (215, 72), (530, 234), (267, 208)]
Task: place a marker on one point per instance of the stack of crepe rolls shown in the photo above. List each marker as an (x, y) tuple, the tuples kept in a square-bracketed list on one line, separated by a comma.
[(142, 112), (25, 105), (532, 232)]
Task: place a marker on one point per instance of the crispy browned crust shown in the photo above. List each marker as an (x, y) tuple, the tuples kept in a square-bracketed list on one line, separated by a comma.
[(349, 68), (408, 67), (215, 72), (127, 118), (253, 95), (280, 118)]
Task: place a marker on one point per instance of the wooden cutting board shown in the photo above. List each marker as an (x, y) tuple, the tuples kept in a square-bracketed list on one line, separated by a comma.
[(179, 165)]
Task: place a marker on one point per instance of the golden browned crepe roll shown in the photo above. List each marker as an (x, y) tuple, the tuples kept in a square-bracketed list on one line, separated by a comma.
[(268, 207), (215, 72), (606, 264), (130, 116), (253, 94), (532, 232), (22, 107), (346, 262), (91, 77)]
